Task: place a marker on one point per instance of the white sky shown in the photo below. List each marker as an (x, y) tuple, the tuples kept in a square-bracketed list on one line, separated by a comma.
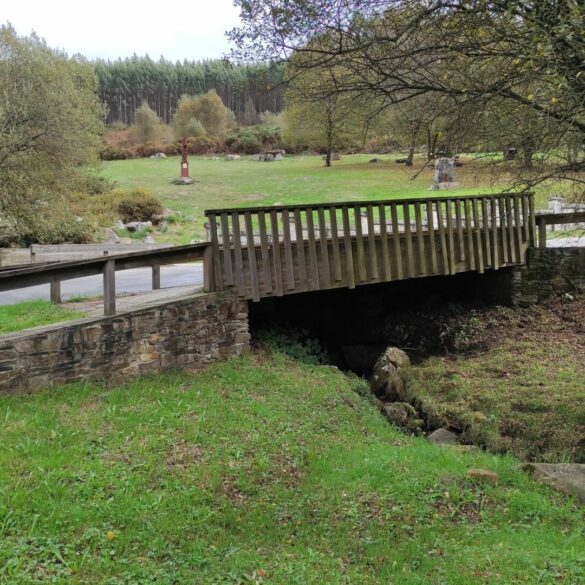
[(192, 29)]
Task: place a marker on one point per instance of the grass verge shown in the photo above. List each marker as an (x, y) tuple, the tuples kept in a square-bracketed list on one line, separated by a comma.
[(260, 470), (33, 314), (519, 386)]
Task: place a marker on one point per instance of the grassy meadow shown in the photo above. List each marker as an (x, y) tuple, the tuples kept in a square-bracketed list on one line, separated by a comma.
[(260, 470), (33, 314), (296, 179)]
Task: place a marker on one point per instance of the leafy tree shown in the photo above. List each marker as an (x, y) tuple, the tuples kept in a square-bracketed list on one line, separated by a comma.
[(208, 109), (50, 125), (147, 128), (525, 57)]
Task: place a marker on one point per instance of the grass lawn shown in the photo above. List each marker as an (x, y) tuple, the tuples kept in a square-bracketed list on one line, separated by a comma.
[(297, 179), (33, 314), (521, 388), (260, 470)]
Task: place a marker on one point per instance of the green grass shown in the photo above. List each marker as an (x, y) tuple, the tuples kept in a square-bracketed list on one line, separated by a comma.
[(260, 470), (522, 389), (33, 314), (298, 179)]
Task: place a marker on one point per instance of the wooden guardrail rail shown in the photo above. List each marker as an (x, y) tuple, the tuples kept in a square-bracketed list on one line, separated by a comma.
[(54, 273), (545, 219), (277, 250)]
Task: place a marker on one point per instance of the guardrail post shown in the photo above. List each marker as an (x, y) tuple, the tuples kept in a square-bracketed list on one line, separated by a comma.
[(110, 287), (541, 221), (208, 269), (156, 277), (56, 292)]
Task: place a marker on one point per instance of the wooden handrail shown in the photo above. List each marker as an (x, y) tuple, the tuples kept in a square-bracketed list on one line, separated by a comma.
[(54, 273), (363, 203), (544, 219)]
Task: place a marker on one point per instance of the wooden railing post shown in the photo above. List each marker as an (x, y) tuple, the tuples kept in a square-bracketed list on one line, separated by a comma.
[(110, 287), (208, 281), (156, 277), (541, 221), (56, 292)]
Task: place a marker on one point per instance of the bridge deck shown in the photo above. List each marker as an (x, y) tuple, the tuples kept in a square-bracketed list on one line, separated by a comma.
[(280, 250)]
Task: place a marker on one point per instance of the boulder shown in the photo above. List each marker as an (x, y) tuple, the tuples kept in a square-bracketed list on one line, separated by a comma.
[(160, 155), (387, 377), (443, 437), (135, 226), (568, 478), (403, 415), (483, 476), (376, 160), (232, 157), (183, 181), (278, 156), (111, 237)]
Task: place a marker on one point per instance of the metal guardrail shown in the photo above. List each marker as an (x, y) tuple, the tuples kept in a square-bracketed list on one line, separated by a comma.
[(545, 219), (53, 273)]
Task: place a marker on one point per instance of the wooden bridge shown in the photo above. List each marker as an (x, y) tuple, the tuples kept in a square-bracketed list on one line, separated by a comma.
[(282, 250)]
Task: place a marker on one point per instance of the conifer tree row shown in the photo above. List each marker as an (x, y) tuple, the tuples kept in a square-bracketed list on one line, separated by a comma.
[(247, 90)]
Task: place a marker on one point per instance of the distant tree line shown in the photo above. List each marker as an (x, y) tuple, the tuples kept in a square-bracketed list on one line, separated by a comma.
[(247, 90)]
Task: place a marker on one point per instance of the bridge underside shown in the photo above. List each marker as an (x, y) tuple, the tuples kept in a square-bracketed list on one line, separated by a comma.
[(281, 269)]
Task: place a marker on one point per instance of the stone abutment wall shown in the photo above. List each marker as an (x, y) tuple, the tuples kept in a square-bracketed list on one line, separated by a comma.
[(187, 332), (549, 271)]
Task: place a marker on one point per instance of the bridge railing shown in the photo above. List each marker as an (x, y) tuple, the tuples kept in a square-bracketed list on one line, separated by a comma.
[(281, 249), (545, 219)]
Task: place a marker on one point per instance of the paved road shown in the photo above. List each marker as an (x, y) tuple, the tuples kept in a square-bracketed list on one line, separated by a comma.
[(134, 281), (571, 242)]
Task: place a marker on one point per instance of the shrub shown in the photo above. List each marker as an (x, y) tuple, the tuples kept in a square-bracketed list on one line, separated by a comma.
[(254, 139), (110, 152), (206, 145), (138, 205)]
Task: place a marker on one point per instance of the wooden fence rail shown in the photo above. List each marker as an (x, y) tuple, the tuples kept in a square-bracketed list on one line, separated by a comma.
[(545, 219), (55, 272), (278, 250)]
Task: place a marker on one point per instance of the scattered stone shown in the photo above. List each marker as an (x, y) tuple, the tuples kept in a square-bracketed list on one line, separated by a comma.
[(135, 226), (256, 157), (268, 157), (387, 377), (443, 437), (111, 237), (484, 476), (183, 181), (160, 155), (403, 415), (376, 160), (568, 478), (278, 156), (149, 240), (232, 157)]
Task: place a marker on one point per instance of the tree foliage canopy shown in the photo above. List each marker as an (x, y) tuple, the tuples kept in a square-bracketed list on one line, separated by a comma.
[(525, 58), (50, 125), (207, 111)]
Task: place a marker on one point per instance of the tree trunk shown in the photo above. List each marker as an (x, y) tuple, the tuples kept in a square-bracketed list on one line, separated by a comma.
[(328, 157), (410, 157)]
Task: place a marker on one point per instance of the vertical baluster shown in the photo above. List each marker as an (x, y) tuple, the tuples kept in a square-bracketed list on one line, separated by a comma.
[(470, 253), (442, 236), (396, 241), (374, 273), (451, 236), (238, 259), (459, 228), (301, 250), (525, 222), (408, 236), (324, 247), (518, 231), (431, 231), (276, 257), (251, 254), (510, 226), (265, 253), (290, 272), (532, 220), (384, 242), (420, 240), (314, 280), (495, 244), (477, 233), (486, 232), (348, 250), (503, 230), (335, 243), (361, 257)]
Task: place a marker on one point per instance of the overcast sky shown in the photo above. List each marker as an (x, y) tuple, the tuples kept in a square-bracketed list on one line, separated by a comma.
[(192, 29)]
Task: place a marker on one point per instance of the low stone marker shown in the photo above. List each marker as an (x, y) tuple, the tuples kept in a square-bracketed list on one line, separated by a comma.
[(568, 478)]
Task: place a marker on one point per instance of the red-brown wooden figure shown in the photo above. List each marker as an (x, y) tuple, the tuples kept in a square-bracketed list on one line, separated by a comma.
[(184, 160)]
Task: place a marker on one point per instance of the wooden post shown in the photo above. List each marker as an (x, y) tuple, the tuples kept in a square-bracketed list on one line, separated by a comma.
[(156, 277), (56, 292), (110, 287), (208, 269), (541, 232)]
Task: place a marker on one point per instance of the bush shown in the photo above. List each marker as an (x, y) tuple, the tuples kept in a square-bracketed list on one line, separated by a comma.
[(138, 205), (254, 139), (206, 145), (110, 152)]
